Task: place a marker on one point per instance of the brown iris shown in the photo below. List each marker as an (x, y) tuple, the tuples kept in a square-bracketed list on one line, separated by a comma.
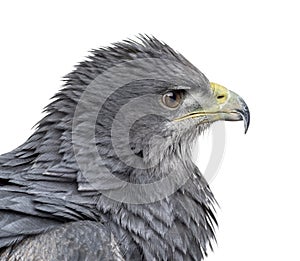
[(172, 99)]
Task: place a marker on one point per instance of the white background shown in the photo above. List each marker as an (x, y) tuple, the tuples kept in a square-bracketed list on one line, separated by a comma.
[(250, 47)]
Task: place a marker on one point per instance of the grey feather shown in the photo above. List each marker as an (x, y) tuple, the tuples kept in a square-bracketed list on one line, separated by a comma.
[(85, 241)]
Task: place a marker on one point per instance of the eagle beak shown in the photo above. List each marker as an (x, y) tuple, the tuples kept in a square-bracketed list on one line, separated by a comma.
[(228, 107)]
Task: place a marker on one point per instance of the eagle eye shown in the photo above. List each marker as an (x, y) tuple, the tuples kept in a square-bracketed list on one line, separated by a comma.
[(172, 99)]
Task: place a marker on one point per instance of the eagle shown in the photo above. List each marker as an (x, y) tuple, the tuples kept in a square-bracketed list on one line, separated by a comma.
[(108, 172)]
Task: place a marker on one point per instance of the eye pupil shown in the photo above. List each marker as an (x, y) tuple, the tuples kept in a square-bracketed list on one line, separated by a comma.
[(172, 99), (172, 96)]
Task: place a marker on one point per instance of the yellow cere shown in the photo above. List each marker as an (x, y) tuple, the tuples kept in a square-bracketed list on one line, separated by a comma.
[(220, 92)]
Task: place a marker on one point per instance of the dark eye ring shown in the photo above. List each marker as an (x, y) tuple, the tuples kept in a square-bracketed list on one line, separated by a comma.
[(172, 99)]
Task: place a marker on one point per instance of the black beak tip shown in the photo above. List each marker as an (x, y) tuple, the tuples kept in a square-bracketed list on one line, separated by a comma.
[(246, 124), (246, 118), (245, 114)]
